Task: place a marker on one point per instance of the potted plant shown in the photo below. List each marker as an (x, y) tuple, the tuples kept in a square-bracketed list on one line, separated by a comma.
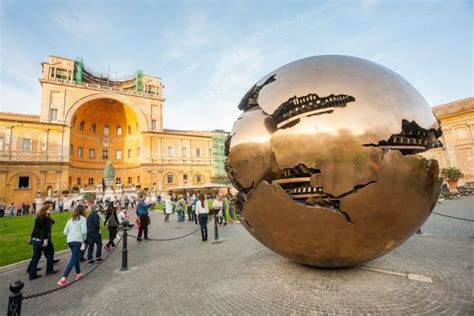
[(452, 175)]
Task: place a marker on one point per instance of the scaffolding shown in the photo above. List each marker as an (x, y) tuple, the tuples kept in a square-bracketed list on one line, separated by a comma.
[(218, 157)]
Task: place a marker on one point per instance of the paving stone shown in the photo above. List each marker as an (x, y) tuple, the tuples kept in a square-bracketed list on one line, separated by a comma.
[(242, 277)]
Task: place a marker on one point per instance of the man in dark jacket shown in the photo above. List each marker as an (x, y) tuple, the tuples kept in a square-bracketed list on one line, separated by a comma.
[(93, 233)]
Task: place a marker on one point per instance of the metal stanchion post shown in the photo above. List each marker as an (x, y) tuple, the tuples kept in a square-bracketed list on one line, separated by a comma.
[(216, 230), (124, 246), (15, 298)]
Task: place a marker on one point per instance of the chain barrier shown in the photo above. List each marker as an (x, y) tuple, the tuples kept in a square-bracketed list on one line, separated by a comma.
[(174, 238), (454, 217), (31, 296)]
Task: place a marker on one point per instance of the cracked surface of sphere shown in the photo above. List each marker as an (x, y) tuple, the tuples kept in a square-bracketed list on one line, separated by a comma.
[(325, 158)]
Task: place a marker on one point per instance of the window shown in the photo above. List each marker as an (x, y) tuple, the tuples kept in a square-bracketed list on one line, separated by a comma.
[(138, 179), (81, 126), (105, 154), (129, 129), (91, 153), (23, 182), (138, 152), (129, 153), (129, 180), (78, 181), (93, 128), (71, 149), (198, 178), (185, 178), (198, 152), (106, 130), (184, 151), (170, 151), (53, 114), (169, 178), (119, 130), (90, 181), (118, 154), (2, 143), (79, 152), (26, 145), (153, 125), (118, 180)]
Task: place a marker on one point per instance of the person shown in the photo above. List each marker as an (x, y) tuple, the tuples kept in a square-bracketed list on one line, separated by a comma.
[(218, 205), (231, 202), (11, 209), (168, 207), (39, 239), (33, 205), (50, 241), (142, 213), (73, 204), (126, 201), (76, 233), (61, 206), (180, 206), (112, 223), (202, 211), (122, 216), (18, 209), (2, 209), (93, 233)]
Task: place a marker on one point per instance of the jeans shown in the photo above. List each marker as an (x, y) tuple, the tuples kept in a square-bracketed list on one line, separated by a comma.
[(94, 239), (37, 249), (49, 255), (75, 247), (190, 213), (143, 226), (203, 223), (112, 235)]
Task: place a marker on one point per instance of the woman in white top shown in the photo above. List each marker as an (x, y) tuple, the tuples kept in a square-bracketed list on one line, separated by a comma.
[(76, 232), (218, 204), (202, 212), (168, 207)]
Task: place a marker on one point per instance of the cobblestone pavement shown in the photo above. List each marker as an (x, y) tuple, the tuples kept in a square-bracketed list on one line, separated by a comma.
[(240, 276)]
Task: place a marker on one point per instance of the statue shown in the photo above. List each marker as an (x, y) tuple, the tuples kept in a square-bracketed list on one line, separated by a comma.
[(108, 180), (325, 160)]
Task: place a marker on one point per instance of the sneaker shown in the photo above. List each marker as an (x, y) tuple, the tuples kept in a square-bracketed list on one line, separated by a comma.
[(62, 282), (106, 248), (79, 276), (56, 261), (139, 239), (52, 272), (37, 269), (82, 259), (98, 259), (90, 262), (35, 277)]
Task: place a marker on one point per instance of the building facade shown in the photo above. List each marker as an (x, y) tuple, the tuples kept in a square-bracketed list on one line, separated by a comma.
[(457, 124), (86, 120)]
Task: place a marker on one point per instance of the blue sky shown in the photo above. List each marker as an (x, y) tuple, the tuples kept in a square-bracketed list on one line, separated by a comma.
[(209, 53)]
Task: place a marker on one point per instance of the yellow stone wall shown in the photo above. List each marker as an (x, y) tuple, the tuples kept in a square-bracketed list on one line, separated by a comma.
[(457, 124), (49, 163)]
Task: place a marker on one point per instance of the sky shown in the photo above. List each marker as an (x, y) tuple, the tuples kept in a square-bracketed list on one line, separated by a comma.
[(209, 53)]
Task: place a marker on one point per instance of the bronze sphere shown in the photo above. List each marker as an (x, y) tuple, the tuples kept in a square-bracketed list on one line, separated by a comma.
[(325, 159)]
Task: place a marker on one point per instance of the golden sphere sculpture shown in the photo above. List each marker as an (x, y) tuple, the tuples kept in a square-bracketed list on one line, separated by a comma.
[(325, 159)]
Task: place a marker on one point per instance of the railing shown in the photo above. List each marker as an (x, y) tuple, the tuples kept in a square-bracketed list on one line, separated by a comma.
[(6, 155), (109, 88)]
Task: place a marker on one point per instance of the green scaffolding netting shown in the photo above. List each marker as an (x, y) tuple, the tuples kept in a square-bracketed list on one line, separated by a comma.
[(79, 70)]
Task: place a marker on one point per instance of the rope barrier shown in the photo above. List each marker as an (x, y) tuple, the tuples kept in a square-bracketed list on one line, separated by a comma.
[(27, 297), (174, 238), (454, 217)]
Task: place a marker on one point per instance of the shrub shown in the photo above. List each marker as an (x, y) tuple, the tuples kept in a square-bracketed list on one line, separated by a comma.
[(89, 196), (451, 173), (65, 192)]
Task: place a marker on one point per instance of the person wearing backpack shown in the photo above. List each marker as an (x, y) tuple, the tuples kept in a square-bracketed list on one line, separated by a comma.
[(112, 223)]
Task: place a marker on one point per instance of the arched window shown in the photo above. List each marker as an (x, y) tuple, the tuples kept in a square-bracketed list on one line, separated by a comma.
[(198, 178), (82, 124), (119, 130), (169, 178), (106, 130), (93, 128)]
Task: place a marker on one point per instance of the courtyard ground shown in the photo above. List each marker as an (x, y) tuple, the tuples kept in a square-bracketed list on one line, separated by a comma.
[(430, 274)]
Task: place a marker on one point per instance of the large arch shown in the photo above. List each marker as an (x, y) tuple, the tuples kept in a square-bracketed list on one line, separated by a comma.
[(97, 96)]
